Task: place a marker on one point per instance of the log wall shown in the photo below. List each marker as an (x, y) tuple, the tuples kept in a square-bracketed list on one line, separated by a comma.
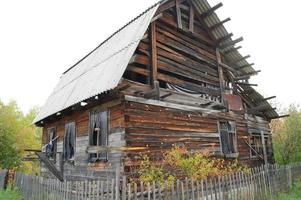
[(81, 166)]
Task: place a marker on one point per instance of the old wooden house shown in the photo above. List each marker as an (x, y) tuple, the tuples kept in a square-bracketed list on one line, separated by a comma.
[(171, 76)]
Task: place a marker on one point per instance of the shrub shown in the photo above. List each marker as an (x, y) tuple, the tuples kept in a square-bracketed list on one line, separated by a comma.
[(179, 162)]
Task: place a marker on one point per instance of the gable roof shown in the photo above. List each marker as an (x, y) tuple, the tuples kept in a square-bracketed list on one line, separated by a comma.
[(102, 69)]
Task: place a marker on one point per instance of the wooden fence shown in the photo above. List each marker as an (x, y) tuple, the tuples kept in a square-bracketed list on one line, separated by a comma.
[(261, 183), (2, 178)]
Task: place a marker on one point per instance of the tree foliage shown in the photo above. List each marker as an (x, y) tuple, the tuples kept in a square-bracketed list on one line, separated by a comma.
[(287, 137), (16, 134)]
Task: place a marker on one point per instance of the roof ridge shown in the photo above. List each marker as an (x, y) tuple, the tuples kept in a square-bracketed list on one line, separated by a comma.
[(131, 21)]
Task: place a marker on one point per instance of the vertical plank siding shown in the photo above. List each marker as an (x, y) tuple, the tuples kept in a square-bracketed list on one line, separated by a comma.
[(261, 183)]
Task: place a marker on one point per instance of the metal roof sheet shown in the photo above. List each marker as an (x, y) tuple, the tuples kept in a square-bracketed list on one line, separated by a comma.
[(101, 70)]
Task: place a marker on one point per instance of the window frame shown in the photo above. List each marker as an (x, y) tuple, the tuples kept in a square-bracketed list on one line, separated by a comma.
[(98, 157), (257, 134), (234, 154), (55, 143), (74, 147)]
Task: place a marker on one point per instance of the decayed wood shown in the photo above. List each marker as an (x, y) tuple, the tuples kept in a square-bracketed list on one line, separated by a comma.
[(221, 75), (232, 43), (154, 68), (230, 50), (264, 148), (168, 5), (211, 28), (245, 66), (249, 84), (191, 19), (224, 38), (211, 10), (240, 59), (179, 15)]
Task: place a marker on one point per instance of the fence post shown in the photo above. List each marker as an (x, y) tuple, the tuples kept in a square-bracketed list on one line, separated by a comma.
[(289, 176)]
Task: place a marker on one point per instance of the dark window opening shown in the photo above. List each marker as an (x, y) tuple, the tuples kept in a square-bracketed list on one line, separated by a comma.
[(228, 137), (69, 141), (51, 144), (98, 134)]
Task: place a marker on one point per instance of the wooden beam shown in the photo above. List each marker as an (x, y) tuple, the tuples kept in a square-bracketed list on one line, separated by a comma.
[(165, 96), (211, 10), (154, 63), (268, 98), (211, 28), (245, 66), (246, 76), (226, 37), (227, 67), (179, 15), (249, 84), (220, 74), (224, 46), (167, 5), (264, 148), (191, 19), (154, 60), (252, 73), (231, 50), (281, 116), (240, 59)]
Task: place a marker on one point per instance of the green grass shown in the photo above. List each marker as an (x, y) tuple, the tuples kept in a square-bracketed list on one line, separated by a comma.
[(293, 194), (10, 195)]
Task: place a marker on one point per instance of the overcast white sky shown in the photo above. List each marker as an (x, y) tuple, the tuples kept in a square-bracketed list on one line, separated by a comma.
[(40, 39)]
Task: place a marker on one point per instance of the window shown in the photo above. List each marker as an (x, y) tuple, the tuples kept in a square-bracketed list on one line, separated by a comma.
[(228, 139), (256, 145), (51, 143), (98, 134), (69, 141)]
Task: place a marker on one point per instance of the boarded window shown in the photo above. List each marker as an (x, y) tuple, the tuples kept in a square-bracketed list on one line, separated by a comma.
[(51, 143), (98, 134), (69, 141), (228, 137)]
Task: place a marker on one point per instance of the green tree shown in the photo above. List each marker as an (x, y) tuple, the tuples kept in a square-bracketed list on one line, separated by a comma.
[(16, 134), (287, 137)]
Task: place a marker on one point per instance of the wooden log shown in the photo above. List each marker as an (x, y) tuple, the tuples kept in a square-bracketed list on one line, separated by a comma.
[(230, 50), (215, 26), (245, 66), (191, 19), (211, 10), (224, 38), (167, 5), (230, 44), (179, 15)]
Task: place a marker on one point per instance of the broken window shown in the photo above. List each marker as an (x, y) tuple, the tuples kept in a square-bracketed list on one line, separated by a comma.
[(69, 141), (228, 139), (51, 143), (257, 145), (98, 134)]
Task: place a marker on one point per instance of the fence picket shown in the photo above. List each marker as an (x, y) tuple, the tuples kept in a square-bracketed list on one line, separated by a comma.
[(260, 183)]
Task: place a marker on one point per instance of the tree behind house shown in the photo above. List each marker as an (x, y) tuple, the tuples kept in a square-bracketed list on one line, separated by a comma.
[(287, 137)]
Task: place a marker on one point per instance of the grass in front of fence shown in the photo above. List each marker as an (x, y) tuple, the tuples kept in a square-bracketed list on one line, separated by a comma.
[(10, 194), (293, 194)]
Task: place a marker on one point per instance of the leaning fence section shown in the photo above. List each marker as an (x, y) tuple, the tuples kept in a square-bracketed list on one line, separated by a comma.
[(260, 183)]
